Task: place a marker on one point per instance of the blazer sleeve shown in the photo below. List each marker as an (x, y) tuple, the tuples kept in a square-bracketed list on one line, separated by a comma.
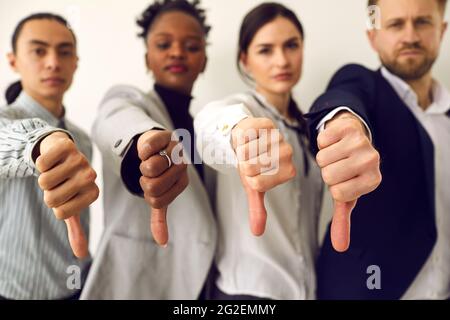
[(121, 118), (353, 86)]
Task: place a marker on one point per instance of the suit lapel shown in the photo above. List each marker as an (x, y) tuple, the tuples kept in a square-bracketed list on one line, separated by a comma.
[(426, 146)]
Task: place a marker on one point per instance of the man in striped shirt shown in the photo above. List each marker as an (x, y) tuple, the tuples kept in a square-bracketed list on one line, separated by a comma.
[(45, 176)]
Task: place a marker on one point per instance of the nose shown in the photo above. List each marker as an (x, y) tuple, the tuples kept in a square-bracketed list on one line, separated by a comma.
[(177, 51), (52, 61), (280, 58), (410, 34)]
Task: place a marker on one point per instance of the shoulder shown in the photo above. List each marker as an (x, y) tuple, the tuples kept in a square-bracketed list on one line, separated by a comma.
[(354, 71), (245, 98), (124, 92), (13, 112)]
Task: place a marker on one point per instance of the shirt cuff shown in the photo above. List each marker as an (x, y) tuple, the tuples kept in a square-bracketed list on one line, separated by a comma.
[(235, 114), (321, 126), (38, 138)]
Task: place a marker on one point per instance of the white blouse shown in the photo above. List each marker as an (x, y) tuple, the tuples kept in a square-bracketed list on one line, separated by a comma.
[(281, 263)]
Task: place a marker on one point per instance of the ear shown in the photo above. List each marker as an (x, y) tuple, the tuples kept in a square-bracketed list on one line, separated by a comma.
[(444, 29), (147, 63), (371, 35), (243, 60), (12, 61), (204, 65), (76, 62)]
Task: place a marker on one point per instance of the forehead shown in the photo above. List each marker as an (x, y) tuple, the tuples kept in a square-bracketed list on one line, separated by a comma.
[(45, 30), (178, 24), (278, 30), (394, 9)]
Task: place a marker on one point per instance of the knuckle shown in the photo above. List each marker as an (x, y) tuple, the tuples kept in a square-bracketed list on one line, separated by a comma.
[(79, 160), (288, 150), (49, 199), (144, 184), (337, 193), (326, 175), (292, 172), (91, 175), (321, 139), (156, 202), (66, 144), (95, 194), (150, 188), (361, 141), (246, 169), (375, 180), (256, 184), (43, 182), (373, 160), (147, 168), (266, 123), (349, 128), (60, 214), (320, 159)]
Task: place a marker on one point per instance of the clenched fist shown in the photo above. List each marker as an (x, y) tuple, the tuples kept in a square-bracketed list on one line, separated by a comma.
[(68, 182), (162, 180), (350, 166), (265, 161)]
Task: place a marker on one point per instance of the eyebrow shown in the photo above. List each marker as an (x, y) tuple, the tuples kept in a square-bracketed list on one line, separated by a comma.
[(45, 44), (415, 18), (270, 44), (164, 34)]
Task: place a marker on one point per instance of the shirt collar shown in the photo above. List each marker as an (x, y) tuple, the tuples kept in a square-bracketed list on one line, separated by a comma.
[(37, 110), (441, 96), (272, 109)]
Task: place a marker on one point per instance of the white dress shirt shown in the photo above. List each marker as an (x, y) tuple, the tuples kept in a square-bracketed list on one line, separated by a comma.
[(433, 281), (281, 263)]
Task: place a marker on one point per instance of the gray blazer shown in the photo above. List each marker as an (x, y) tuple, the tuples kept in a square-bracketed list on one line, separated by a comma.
[(128, 263)]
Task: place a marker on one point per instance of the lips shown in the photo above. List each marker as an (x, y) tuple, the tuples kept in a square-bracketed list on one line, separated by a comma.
[(413, 52), (283, 76), (53, 81), (176, 68)]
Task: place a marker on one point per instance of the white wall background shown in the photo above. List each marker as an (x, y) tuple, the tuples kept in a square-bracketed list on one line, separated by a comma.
[(110, 53)]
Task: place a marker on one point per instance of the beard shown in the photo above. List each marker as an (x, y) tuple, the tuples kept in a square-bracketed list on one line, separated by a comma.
[(409, 69)]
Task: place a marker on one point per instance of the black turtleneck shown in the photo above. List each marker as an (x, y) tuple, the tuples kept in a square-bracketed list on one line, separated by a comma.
[(177, 105)]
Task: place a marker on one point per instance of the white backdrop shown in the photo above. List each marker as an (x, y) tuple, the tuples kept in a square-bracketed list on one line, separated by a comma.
[(110, 53)]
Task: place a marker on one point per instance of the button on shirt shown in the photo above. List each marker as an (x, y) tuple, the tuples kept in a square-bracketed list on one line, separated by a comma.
[(433, 281), (36, 259)]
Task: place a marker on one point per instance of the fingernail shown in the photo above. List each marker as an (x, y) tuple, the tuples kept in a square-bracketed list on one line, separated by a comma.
[(164, 246)]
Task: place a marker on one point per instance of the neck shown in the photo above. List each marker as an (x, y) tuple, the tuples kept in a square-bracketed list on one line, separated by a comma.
[(279, 101), (423, 89), (54, 105)]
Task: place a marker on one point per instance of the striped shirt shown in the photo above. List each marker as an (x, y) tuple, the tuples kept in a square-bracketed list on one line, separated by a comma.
[(36, 260)]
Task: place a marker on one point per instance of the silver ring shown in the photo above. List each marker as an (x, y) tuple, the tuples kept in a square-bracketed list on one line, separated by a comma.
[(163, 153)]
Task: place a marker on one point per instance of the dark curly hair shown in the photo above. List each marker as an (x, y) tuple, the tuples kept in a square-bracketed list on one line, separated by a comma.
[(148, 17)]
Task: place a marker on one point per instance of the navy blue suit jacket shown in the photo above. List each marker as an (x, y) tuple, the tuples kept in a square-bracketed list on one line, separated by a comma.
[(394, 226)]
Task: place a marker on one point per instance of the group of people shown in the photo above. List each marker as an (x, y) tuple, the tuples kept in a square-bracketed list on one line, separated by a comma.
[(237, 217)]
